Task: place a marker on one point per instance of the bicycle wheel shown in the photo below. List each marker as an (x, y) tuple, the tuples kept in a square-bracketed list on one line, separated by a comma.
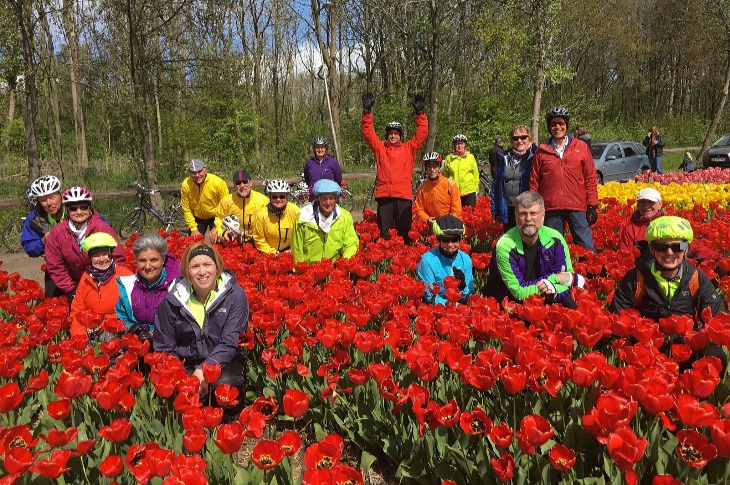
[(369, 198), (11, 236), (347, 200), (132, 222), (485, 183), (176, 220)]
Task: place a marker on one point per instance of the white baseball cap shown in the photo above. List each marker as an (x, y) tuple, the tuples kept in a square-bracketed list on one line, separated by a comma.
[(649, 194)]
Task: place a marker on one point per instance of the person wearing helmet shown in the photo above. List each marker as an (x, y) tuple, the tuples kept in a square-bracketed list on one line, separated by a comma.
[(65, 259), (494, 154), (323, 228), (668, 284), (273, 224), (446, 260), (461, 167), (563, 172), (394, 162), (200, 194), (97, 292), (243, 203), (512, 176), (654, 143), (437, 195), (46, 213), (532, 259), (320, 166)]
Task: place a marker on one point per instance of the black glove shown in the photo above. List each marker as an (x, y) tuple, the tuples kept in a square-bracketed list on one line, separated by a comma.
[(368, 100), (591, 215), (418, 104), (459, 275)]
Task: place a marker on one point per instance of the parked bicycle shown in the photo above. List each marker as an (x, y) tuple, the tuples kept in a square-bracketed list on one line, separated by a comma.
[(485, 178), (135, 221), (11, 232), (417, 179)]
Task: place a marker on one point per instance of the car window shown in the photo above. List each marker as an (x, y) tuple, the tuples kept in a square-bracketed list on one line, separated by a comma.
[(614, 151), (597, 149), (722, 142), (629, 151)]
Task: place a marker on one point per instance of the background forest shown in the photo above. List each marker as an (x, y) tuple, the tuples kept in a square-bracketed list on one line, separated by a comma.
[(111, 89)]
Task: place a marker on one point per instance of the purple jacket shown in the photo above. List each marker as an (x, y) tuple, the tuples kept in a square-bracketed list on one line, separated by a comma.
[(226, 317), (315, 170), (65, 261), (138, 302)]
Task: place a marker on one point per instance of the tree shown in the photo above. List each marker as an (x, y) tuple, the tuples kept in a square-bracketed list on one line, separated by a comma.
[(72, 38)]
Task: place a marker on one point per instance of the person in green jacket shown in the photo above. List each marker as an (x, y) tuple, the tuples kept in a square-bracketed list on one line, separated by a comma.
[(324, 229), (461, 167)]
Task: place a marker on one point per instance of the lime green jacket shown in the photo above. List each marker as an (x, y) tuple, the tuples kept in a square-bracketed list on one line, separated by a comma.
[(310, 243), (463, 171)]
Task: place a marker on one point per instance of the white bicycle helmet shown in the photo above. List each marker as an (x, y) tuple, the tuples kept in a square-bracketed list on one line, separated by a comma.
[(433, 157), (320, 141), (231, 223), (278, 187), (45, 185), (76, 195), (459, 138), (394, 125)]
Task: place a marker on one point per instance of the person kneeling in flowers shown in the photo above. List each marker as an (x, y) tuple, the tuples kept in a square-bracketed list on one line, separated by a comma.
[(446, 260), (273, 224), (97, 291), (323, 228), (532, 258), (668, 284), (201, 318)]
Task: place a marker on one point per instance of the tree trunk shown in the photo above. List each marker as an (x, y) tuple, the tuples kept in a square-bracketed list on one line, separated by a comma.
[(435, 51), (12, 86), (69, 21), (718, 110), (53, 99), (540, 72)]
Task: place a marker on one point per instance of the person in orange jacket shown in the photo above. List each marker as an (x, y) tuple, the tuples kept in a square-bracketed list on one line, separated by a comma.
[(394, 160), (437, 196)]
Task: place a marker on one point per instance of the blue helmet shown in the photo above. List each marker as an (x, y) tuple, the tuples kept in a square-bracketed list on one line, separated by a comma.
[(326, 186)]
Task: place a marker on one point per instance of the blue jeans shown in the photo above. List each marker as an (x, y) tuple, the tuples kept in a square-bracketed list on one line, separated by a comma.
[(577, 222), (655, 164)]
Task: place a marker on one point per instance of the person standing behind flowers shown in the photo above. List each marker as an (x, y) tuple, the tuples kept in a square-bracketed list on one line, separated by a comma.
[(140, 294), (244, 203), (201, 319), (461, 167), (273, 225), (97, 290), (512, 176), (200, 194), (446, 260), (321, 166), (654, 143)]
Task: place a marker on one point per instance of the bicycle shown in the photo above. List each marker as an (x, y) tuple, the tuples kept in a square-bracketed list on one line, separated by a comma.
[(485, 178), (12, 231), (135, 220)]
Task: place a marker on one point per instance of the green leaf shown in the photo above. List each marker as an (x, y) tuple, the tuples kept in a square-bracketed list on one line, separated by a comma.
[(366, 461)]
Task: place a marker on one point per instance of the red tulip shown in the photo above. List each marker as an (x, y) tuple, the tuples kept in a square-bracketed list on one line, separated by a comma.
[(290, 442), (229, 437), (694, 448), (194, 439), (625, 448), (17, 460), (72, 384), (695, 414), (345, 474), (111, 466), (504, 467), (665, 480), (501, 435), (267, 406), (476, 422), (295, 403), (37, 382), (226, 395), (534, 431), (267, 454), (720, 432), (253, 423), (448, 414), (321, 455), (211, 372), (57, 438), (54, 466), (561, 457), (118, 431), (10, 397)]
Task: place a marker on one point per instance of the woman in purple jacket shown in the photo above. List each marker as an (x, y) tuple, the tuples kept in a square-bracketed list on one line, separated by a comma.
[(321, 166), (140, 294)]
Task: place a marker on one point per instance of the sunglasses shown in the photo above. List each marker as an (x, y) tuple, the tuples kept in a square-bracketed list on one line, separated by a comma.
[(241, 182), (450, 239), (557, 123), (520, 137), (277, 197), (664, 247), (74, 208)]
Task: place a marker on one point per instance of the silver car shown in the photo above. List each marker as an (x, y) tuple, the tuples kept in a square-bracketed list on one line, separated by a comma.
[(718, 155), (618, 160)]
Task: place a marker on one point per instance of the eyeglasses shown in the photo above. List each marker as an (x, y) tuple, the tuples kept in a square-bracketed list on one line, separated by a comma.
[(450, 239), (520, 137), (675, 247), (557, 123), (74, 208), (277, 197), (240, 182)]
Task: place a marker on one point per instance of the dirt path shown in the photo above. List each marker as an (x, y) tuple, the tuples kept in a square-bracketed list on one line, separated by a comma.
[(29, 268)]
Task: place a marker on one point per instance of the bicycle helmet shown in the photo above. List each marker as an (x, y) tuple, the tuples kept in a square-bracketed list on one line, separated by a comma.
[(326, 186), (448, 225), (278, 187), (98, 240), (394, 125), (231, 223), (669, 227), (557, 112), (76, 195), (320, 141), (45, 185), (459, 139), (433, 157)]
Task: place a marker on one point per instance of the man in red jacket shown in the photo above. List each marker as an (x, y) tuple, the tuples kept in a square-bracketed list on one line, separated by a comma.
[(394, 161), (563, 172)]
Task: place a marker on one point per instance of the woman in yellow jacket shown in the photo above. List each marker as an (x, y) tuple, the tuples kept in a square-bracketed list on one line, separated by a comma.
[(273, 225), (461, 167)]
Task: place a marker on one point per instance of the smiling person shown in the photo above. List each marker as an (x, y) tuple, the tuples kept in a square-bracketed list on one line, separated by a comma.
[(201, 319), (563, 172), (97, 290), (512, 176), (140, 294), (65, 260), (324, 229), (437, 196), (321, 166), (654, 143), (461, 167), (244, 203), (200, 194), (273, 225)]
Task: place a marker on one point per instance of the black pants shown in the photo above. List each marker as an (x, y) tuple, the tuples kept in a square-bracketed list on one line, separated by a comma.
[(469, 200), (233, 374), (51, 289), (395, 213), (205, 224)]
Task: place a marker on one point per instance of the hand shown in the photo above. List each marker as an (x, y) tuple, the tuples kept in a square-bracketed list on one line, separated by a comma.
[(546, 287), (418, 103), (195, 232), (459, 275), (213, 236), (368, 100), (591, 215), (203, 385), (229, 235)]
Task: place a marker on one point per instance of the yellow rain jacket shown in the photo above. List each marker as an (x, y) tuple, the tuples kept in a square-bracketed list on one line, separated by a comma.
[(244, 209), (201, 201), (273, 233), (463, 170)]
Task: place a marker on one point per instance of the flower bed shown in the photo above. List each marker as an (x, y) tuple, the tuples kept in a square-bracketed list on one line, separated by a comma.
[(347, 356)]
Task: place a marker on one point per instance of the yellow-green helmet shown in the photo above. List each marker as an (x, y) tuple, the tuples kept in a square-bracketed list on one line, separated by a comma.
[(669, 227), (98, 240)]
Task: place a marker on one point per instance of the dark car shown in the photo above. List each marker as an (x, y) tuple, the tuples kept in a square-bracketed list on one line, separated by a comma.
[(618, 160), (718, 155)]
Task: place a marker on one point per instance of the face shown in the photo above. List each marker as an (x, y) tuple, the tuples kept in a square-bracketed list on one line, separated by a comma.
[(529, 220), (199, 176), (79, 213), (647, 208), (449, 244), (51, 203), (558, 128), (393, 136), (320, 151), (243, 188), (327, 203), (101, 258), (460, 147), (202, 272), (665, 254), (520, 140), (278, 200), (149, 264), (433, 170)]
